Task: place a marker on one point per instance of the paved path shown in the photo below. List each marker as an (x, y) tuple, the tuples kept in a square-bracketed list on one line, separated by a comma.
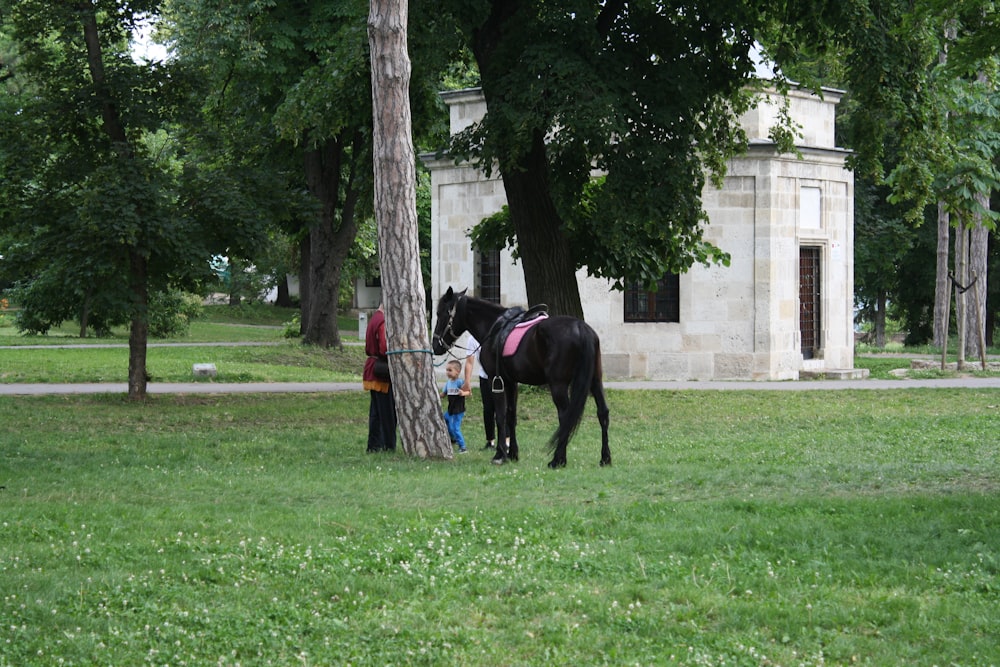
[(208, 387), (327, 387)]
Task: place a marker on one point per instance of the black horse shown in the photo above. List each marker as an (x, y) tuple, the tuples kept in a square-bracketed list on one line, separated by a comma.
[(563, 352)]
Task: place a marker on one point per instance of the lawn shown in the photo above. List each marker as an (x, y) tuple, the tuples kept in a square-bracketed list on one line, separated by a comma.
[(245, 343), (734, 528), (246, 323), (279, 361)]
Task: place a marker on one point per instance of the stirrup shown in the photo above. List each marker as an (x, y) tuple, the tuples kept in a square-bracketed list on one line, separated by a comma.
[(498, 387)]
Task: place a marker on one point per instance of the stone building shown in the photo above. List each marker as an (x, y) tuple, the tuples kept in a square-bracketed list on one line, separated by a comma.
[(783, 308)]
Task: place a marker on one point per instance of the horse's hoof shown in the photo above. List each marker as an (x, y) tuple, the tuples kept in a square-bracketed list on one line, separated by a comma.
[(556, 464), (497, 462), (606, 463)]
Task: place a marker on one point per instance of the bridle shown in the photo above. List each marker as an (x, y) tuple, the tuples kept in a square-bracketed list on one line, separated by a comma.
[(449, 328)]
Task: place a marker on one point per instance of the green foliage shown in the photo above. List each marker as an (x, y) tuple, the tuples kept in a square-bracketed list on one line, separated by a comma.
[(495, 231), (648, 96), (461, 73), (90, 220), (959, 164), (736, 528), (171, 313), (293, 327)]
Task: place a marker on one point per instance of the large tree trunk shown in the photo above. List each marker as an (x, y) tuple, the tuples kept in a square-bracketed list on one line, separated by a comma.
[(549, 268), (942, 285), (330, 241), (411, 364)]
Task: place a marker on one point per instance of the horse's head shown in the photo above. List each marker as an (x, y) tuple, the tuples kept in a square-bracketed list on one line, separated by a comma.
[(450, 323)]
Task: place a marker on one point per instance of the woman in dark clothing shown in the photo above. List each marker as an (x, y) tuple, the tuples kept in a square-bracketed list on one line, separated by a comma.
[(382, 407)]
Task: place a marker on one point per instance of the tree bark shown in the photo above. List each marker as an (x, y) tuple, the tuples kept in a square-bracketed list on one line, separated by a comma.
[(879, 323), (283, 297), (942, 286), (549, 269), (418, 406), (305, 277), (975, 304), (961, 282), (331, 238), (139, 330)]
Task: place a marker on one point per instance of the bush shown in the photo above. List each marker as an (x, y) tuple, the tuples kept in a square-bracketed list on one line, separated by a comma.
[(293, 328), (171, 313)]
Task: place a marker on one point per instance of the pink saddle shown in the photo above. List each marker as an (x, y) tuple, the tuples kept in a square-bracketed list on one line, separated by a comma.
[(514, 339)]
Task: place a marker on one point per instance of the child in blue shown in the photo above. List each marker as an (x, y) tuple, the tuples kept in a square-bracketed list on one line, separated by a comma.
[(455, 391)]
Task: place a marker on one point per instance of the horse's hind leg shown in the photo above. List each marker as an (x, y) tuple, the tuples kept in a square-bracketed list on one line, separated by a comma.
[(512, 448), (604, 417), (560, 396)]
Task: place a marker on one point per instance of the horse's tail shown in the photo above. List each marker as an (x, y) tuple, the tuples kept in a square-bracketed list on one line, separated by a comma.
[(579, 388)]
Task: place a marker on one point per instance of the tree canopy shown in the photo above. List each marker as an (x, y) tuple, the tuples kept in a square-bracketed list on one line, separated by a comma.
[(650, 94), (92, 215)]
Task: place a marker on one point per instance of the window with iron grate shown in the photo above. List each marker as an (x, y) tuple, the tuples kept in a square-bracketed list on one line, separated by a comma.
[(659, 305), (489, 276)]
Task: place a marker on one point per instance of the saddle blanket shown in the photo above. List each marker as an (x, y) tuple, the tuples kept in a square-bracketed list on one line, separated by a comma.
[(514, 338)]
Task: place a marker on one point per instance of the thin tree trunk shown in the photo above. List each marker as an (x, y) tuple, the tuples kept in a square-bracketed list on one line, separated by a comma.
[(991, 306), (235, 282), (977, 270), (305, 278), (85, 314), (411, 364), (961, 282), (138, 265), (283, 296), (880, 320), (139, 330), (942, 282), (942, 286)]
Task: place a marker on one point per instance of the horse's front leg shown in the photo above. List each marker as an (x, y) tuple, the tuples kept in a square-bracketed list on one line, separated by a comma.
[(500, 412), (512, 420)]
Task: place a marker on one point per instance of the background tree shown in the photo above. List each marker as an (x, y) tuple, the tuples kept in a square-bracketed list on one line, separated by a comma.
[(411, 363), (288, 97), (650, 93), (91, 219), (923, 131), (290, 88), (947, 142)]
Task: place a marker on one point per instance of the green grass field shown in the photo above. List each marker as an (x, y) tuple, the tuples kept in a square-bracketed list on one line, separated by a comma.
[(246, 344), (734, 528)]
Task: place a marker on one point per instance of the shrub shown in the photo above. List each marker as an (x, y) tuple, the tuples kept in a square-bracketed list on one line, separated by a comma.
[(171, 313)]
